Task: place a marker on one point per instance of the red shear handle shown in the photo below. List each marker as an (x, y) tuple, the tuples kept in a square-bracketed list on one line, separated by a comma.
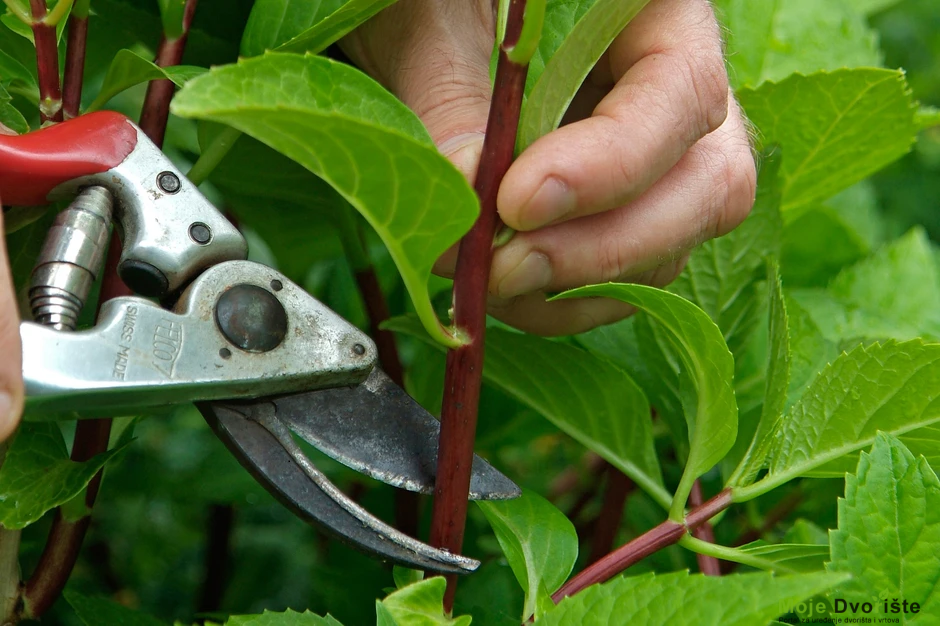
[(34, 164)]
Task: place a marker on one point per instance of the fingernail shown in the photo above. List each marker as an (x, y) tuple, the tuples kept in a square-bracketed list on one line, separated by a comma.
[(532, 274), (553, 201)]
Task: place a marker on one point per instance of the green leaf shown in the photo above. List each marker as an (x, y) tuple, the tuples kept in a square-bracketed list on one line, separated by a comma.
[(37, 474), (539, 542), (868, 7), (892, 387), (404, 576), (806, 532), (129, 68), (101, 612), (722, 275), (383, 617), (668, 599), (707, 380), (835, 128), (346, 129), (331, 27), (287, 618), (171, 15), (575, 36), (775, 390), (590, 399), (894, 294), (421, 604), (889, 528), (796, 556), (927, 117), (810, 351), (13, 70), (772, 39), (292, 209), (274, 22), (10, 115)]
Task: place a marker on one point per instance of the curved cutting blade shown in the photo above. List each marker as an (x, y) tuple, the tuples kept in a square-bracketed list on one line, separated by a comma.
[(379, 430), (264, 446)]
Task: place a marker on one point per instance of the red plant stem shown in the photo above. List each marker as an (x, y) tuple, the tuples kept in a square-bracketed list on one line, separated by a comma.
[(74, 66), (608, 521), (377, 310), (708, 565), (662, 536), (156, 110), (463, 376), (47, 64)]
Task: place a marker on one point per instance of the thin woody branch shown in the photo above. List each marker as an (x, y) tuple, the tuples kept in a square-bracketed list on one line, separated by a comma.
[(47, 63), (463, 376), (662, 536)]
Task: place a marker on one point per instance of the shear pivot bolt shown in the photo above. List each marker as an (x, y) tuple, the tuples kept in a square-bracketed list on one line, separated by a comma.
[(169, 182), (251, 318)]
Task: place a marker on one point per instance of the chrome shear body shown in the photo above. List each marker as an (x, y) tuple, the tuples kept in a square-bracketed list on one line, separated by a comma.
[(263, 360)]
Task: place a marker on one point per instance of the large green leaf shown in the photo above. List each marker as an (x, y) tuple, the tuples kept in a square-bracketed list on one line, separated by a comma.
[(889, 529), (835, 128), (330, 27), (101, 612), (421, 604), (273, 22), (891, 387), (592, 400), (346, 129), (576, 33), (670, 599), (707, 380), (894, 294), (129, 68), (539, 542), (771, 39), (795, 556), (810, 351), (293, 210), (10, 115), (776, 387), (37, 474)]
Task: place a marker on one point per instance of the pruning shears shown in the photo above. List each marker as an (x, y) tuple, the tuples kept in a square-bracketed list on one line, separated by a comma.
[(263, 360)]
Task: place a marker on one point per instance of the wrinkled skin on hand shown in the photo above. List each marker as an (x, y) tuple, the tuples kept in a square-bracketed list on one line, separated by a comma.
[(11, 368), (652, 159)]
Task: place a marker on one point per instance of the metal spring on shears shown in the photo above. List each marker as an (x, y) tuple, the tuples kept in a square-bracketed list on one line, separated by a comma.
[(71, 257)]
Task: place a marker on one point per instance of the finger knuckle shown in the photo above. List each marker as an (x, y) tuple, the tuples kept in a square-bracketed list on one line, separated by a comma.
[(735, 188)]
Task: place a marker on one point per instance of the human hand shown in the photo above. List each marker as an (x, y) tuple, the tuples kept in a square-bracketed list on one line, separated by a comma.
[(11, 368), (653, 157)]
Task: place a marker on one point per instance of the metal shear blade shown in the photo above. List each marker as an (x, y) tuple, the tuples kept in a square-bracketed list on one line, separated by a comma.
[(264, 446), (379, 430)]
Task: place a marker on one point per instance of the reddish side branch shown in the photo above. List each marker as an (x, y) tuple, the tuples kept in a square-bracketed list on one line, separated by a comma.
[(47, 65), (463, 376), (156, 111), (74, 66), (654, 540)]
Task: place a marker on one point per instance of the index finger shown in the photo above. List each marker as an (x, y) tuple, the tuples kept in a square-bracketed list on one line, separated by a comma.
[(671, 90)]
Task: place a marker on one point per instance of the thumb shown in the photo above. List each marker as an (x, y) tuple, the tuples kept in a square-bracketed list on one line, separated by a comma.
[(11, 374)]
